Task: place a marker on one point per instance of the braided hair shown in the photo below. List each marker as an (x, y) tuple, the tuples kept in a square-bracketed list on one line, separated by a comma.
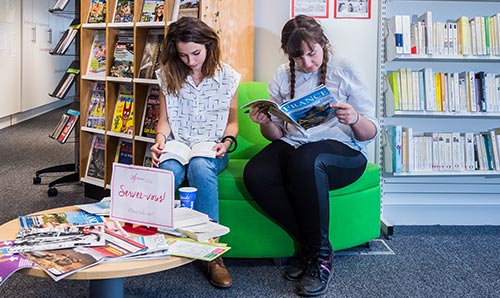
[(297, 31)]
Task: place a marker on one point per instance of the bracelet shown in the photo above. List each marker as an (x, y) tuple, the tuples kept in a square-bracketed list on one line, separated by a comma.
[(233, 141), (357, 120), (164, 136)]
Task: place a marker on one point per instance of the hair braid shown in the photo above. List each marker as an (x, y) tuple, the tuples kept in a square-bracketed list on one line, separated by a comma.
[(292, 78)]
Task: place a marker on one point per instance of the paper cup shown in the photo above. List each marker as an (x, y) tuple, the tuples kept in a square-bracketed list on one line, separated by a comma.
[(187, 196)]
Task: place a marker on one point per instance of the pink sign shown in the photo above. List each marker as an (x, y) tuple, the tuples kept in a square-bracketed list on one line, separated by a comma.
[(142, 195)]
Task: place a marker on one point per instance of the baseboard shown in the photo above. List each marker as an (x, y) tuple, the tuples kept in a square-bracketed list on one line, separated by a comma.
[(26, 115)]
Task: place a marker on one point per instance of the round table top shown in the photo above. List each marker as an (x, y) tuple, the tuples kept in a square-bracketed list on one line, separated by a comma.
[(8, 231)]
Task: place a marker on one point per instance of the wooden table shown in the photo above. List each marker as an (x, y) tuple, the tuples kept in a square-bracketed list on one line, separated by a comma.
[(106, 279)]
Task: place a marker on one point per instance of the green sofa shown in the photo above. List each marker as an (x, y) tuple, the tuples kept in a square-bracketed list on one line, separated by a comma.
[(354, 209)]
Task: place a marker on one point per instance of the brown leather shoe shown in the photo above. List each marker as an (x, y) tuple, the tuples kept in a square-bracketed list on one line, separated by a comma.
[(219, 276)]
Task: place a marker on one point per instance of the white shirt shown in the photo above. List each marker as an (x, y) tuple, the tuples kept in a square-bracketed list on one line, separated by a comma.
[(345, 84), (200, 112)]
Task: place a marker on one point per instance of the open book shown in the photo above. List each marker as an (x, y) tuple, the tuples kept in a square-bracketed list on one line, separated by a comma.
[(176, 150), (304, 112)]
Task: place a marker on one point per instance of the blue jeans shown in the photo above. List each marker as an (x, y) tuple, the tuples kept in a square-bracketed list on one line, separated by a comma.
[(201, 172)]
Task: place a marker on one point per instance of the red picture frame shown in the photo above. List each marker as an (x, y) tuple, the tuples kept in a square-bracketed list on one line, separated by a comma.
[(319, 11), (352, 9)]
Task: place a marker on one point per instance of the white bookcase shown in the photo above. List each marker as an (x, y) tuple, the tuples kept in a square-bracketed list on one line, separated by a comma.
[(437, 197)]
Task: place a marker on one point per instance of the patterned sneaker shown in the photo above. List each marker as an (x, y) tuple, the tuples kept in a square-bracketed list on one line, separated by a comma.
[(317, 277)]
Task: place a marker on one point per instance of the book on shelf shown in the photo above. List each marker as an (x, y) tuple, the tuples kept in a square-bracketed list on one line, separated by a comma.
[(68, 122), (10, 263), (151, 55), (123, 57), (96, 112), (148, 157), (61, 263), (67, 80), (60, 5), (97, 59), (123, 116), (189, 8), (153, 10), (124, 152), (124, 11), (304, 112), (95, 164), (97, 11), (181, 152), (67, 38), (393, 158), (151, 112)]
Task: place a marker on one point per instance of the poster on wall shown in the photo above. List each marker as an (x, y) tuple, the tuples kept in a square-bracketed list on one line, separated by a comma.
[(352, 9), (313, 8)]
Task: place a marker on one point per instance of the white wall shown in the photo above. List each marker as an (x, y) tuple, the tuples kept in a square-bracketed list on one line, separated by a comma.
[(352, 39)]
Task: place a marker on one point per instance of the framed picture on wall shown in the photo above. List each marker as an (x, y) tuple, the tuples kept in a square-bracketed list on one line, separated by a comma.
[(352, 9), (313, 8)]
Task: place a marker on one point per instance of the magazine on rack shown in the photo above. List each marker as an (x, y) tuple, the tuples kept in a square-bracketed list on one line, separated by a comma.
[(304, 112)]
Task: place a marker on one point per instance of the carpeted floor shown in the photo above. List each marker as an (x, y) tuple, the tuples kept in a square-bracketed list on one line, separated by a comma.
[(427, 261)]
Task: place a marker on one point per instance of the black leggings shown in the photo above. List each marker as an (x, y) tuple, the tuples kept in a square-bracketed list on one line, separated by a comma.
[(292, 184)]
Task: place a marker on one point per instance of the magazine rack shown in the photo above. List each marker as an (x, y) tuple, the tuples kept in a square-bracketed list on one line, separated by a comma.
[(63, 168)]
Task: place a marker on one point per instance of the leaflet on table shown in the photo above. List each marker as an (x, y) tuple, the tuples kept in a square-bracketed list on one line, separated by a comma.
[(99, 208), (63, 262), (304, 112), (58, 238), (156, 248), (10, 263), (188, 248)]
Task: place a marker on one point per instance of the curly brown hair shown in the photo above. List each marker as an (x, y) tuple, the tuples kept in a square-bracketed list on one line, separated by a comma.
[(188, 29), (297, 31)]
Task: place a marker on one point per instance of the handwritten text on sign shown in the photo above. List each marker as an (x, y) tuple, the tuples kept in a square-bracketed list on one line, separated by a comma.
[(142, 195)]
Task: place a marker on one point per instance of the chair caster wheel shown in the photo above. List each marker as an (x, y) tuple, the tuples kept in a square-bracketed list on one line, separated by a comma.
[(52, 192), (37, 180)]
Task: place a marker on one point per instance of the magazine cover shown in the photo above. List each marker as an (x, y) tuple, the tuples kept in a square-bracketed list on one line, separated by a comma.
[(56, 220), (151, 112), (152, 10), (57, 238), (11, 262), (95, 165), (124, 152), (96, 116), (117, 245), (123, 62), (97, 11), (63, 262), (151, 55), (148, 157), (123, 117), (124, 12), (97, 59)]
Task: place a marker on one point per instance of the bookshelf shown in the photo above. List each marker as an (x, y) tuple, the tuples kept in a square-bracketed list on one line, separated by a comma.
[(426, 192), (234, 23)]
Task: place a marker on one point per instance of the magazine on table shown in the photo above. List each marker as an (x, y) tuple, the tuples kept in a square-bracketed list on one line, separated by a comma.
[(59, 220), (63, 262), (188, 248), (10, 263), (304, 112), (118, 245), (57, 238)]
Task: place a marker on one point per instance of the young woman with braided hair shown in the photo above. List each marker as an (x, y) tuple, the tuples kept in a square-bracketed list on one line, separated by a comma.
[(291, 177)]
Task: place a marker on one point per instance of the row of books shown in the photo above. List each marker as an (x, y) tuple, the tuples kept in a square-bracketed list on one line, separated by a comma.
[(411, 152), (464, 36), (152, 11), (122, 65), (426, 90), (124, 112), (65, 126), (67, 80), (67, 38)]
